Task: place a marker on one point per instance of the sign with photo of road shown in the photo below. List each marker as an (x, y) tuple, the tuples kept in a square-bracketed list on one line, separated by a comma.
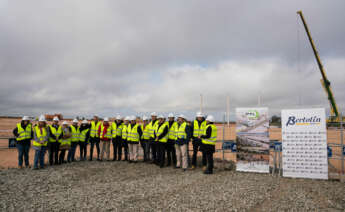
[(252, 138)]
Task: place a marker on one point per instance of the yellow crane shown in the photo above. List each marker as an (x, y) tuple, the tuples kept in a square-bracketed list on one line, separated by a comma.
[(326, 84)]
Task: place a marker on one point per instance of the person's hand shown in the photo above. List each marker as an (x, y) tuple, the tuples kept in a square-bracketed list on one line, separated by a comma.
[(199, 137)]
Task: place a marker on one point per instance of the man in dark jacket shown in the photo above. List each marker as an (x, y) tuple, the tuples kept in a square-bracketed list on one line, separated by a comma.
[(161, 138), (24, 134), (84, 139), (55, 134), (198, 127)]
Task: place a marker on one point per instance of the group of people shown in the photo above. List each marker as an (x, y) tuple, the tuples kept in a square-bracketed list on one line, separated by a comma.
[(160, 140)]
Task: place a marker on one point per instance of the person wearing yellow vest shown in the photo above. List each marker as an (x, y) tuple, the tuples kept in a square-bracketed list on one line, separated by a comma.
[(124, 136), (134, 133), (145, 138), (84, 130), (65, 142), (40, 142), (23, 133), (104, 132), (116, 129), (55, 134), (170, 146), (183, 134), (94, 137), (74, 141), (161, 138), (198, 128), (153, 146), (208, 139)]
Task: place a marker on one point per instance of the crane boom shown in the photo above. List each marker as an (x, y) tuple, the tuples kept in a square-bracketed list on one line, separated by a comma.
[(325, 83)]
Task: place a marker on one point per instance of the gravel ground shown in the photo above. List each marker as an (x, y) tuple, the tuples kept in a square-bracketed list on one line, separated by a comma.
[(119, 186)]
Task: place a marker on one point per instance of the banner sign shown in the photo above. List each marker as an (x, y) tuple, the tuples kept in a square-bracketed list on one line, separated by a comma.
[(304, 138), (252, 138)]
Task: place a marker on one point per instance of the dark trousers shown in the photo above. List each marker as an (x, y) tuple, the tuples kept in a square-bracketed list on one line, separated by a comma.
[(161, 147), (53, 150), (62, 156), (124, 145), (196, 148), (82, 150), (71, 152), (39, 156), (146, 149), (153, 146), (171, 152), (207, 156), (94, 141), (117, 148), (23, 152)]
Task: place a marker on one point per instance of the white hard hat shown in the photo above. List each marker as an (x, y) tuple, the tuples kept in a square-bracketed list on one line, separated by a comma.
[(161, 116), (55, 118), (127, 118), (145, 118), (42, 118), (132, 118), (118, 117), (210, 118), (106, 119), (153, 114), (181, 116), (84, 121), (171, 115), (199, 114), (75, 121), (65, 123), (25, 118)]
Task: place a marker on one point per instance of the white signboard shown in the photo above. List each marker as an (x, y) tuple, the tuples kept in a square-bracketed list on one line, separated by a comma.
[(252, 140), (304, 143)]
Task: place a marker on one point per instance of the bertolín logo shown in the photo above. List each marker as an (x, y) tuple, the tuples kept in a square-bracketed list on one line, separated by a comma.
[(314, 120)]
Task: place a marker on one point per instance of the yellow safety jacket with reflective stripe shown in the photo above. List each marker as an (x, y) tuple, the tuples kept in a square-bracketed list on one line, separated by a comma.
[(42, 137), (133, 134), (198, 130), (152, 126), (55, 132), (83, 134), (113, 129), (181, 131), (119, 130), (66, 141), (212, 140), (146, 132), (75, 134), (160, 130), (108, 133), (124, 132), (94, 129), (24, 134), (172, 131)]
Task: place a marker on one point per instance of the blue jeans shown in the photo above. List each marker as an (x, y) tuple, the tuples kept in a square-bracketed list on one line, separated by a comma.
[(71, 151), (23, 151), (39, 157)]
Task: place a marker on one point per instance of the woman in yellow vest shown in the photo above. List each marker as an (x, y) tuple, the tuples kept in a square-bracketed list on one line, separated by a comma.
[(145, 138), (104, 132), (24, 134), (198, 127), (84, 139), (94, 136), (208, 139), (124, 136), (41, 135), (74, 141), (183, 134), (153, 146), (170, 147), (134, 134), (116, 128), (161, 135), (65, 142), (54, 141)]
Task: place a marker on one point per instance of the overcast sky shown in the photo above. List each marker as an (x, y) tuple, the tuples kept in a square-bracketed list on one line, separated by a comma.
[(134, 57)]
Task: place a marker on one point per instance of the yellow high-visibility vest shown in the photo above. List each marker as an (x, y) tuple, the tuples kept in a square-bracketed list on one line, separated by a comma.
[(172, 131), (107, 134), (55, 132), (83, 134), (198, 130), (41, 137), (24, 133), (160, 130), (146, 132), (113, 129), (94, 129), (124, 132), (133, 134), (181, 131), (212, 140), (75, 134)]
